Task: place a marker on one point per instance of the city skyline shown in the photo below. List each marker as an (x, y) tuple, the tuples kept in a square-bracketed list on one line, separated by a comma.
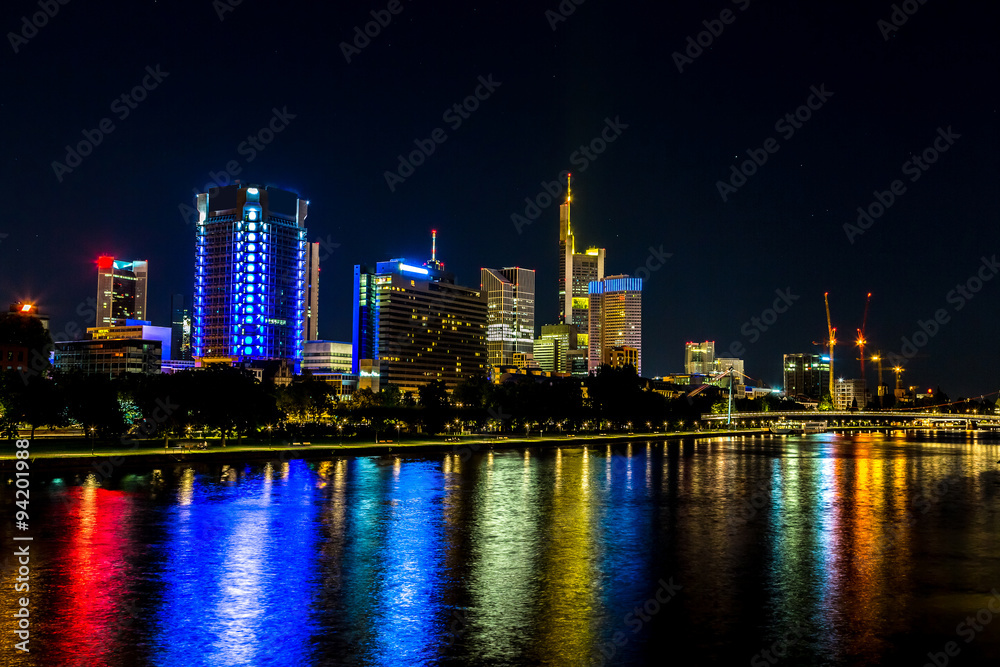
[(895, 123)]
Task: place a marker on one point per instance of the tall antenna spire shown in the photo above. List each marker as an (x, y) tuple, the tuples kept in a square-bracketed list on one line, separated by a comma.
[(433, 262), (569, 197)]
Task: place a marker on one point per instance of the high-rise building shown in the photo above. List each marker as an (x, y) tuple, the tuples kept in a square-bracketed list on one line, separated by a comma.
[(557, 341), (180, 329), (806, 375), (699, 358), (250, 274), (576, 271), (510, 299), (121, 290), (311, 318), (846, 392), (615, 318), (415, 325)]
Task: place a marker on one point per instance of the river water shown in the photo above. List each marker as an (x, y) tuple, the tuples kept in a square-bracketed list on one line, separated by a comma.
[(827, 549)]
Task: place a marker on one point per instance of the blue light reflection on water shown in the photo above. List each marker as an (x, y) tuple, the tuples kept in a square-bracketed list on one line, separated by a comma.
[(237, 583)]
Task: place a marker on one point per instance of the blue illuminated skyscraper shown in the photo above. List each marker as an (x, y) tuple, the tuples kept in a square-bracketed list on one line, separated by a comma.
[(615, 319), (250, 271)]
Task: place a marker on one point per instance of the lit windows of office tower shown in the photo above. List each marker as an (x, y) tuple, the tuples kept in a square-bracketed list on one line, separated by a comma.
[(615, 319), (510, 295), (413, 325), (311, 317), (180, 328), (121, 290), (699, 358), (250, 273)]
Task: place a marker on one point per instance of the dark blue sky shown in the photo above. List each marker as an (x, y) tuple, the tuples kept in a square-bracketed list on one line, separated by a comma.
[(655, 186)]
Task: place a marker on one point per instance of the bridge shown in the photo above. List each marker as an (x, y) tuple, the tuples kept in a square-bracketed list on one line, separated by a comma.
[(863, 418)]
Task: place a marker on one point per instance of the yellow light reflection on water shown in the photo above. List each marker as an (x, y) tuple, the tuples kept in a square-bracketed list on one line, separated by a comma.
[(567, 595)]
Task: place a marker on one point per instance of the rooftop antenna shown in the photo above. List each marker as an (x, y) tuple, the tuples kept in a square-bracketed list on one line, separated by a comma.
[(569, 197), (433, 262)]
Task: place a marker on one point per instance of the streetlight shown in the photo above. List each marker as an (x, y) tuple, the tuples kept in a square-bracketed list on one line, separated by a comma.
[(93, 438)]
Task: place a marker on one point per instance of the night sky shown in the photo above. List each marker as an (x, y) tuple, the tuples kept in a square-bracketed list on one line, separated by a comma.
[(655, 187)]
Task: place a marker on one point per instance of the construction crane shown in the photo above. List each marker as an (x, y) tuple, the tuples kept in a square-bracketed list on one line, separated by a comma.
[(861, 342), (832, 340)]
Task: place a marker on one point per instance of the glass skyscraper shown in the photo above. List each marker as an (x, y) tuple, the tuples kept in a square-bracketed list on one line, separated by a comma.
[(576, 271), (250, 275), (510, 295), (615, 318), (121, 290)]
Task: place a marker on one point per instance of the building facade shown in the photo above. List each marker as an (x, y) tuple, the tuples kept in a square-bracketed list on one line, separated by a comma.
[(576, 272), (699, 358), (615, 318), (136, 348), (310, 323), (250, 275), (121, 290), (846, 392), (621, 356), (327, 356), (415, 325), (135, 330), (557, 341), (180, 329), (510, 303), (806, 375)]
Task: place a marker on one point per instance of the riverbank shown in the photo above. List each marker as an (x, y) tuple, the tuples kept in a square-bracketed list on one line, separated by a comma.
[(51, 453)]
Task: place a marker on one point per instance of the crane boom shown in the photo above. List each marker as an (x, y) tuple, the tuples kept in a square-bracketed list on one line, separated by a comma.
[(861, 342), (832, 340)]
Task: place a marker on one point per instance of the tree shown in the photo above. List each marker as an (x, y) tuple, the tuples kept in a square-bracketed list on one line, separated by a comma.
[(433, 405), (825, 403), (363, 399), (472, 391), (390, 396), (22, 330), (92, 401)]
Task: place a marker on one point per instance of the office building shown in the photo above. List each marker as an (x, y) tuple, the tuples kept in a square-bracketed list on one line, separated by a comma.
[(546, 351), (134, 348), (806, 376), (327, 356), (699, 358), (615, 318), (557, 341), (112, 358), (415, 325), (250, 275), (180, 329), (576, 272), (510, 302), (621, 356), (310, 323), (135, 330), (121, 290), (723, 364), (846, 392)]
